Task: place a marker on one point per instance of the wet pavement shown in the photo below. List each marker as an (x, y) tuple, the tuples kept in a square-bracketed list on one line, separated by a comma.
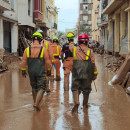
[(109, 106)]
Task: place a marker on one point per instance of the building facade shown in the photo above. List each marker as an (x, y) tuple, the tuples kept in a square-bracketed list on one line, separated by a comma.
[(95, 14), (20, 18), (85, 15), (118, 26)]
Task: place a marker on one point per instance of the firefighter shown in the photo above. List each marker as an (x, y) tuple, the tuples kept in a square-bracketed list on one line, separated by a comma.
[(47, 45), (84, 71), (35, 57), (67, 58), (57, 54)]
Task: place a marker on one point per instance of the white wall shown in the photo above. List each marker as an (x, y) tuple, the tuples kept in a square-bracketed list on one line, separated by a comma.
[(23, 17), (14, 37)]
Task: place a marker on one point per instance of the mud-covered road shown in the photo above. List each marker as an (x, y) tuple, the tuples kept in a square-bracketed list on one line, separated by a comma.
[(109, 106)]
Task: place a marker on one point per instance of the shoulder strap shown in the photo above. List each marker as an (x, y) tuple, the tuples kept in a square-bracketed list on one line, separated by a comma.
[(28, 52), (74, 53), (88, 53), (40, 52)]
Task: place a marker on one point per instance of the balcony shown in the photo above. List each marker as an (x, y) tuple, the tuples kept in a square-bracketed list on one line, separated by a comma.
[(85, 22), (102, 20), (5, 5), (86, 1), (110, 5)]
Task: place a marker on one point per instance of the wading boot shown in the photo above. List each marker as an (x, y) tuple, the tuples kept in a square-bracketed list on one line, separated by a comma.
[(58, 78), (38, 100), (34, 94), (76, 102), (66, 86), (85, 100), (47, 86)]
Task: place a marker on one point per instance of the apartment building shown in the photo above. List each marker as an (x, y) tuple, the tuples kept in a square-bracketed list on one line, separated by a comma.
[(20, 18), (118, 26), (95, 14), (85, 14)]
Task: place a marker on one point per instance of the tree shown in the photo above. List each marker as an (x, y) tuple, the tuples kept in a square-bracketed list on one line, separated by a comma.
[(83, 29), (60, 33)]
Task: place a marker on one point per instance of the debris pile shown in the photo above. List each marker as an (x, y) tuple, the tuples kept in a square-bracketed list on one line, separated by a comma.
[(3, 66), (123, 75), (114, 66), (6, 60), (23, 42), (99, 50)]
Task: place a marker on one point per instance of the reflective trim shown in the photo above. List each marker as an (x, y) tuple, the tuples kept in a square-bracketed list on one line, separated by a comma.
[(52, 60), (46, 45), (74, 53), (27, 52), (58, 74), (49, 69), (23, 68), (88, 53), (41, 56), (96, 72), (57, 52)]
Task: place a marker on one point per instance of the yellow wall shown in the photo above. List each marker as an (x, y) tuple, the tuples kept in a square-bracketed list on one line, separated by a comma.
[(95, 31)]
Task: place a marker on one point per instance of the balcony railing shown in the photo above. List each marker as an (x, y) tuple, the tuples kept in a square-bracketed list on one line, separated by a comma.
[(105, 3)]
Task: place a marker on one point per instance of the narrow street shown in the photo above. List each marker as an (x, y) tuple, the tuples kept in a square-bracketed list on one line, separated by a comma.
[(109, 106)]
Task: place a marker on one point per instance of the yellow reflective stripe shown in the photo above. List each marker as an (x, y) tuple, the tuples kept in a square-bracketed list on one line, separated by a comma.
[(58, 53), (49, 69), (52, 60), (47, 45), (58, 50), (96, 72), (74, 53), (88, 53), (23, 68), (41, 56), (27, 52)]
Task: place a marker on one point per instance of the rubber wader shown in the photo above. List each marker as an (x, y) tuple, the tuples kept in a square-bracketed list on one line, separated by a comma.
[(37, 76), (85, 100), (38, 99), (76, 102)]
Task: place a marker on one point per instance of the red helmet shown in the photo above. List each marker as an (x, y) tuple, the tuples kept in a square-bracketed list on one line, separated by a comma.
[(83, 37)]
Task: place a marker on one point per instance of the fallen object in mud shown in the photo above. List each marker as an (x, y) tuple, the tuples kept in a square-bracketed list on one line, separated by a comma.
[(128, 90), (122, 72)]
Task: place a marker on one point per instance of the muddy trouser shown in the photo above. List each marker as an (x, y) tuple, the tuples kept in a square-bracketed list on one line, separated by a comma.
[(58, 64), (38, 82), (67, 66), (82, 75), (82, 85)]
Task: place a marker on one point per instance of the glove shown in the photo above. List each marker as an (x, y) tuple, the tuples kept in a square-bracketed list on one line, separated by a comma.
[(48, 72), (24, 73), (95, 77)]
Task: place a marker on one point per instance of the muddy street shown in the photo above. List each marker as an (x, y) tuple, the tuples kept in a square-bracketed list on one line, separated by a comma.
[(109, 106)]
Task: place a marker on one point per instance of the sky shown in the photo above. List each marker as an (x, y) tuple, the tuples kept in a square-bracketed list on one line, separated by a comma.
[(68, 14)]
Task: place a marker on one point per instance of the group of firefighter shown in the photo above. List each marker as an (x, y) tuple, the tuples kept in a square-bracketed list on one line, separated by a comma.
[(42, 59)]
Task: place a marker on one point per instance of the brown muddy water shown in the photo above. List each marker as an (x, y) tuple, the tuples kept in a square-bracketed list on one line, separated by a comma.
[(109, 106)]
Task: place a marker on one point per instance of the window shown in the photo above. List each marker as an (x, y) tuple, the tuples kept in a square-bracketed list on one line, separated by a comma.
[(85, 8)]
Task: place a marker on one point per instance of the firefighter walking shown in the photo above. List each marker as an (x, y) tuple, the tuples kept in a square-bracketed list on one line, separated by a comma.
[(84, 71), (47, 44), (67, 58), (57, 54), (35, 57)]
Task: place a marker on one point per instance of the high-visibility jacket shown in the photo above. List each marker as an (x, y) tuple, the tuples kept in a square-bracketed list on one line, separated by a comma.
[(56, 50)]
